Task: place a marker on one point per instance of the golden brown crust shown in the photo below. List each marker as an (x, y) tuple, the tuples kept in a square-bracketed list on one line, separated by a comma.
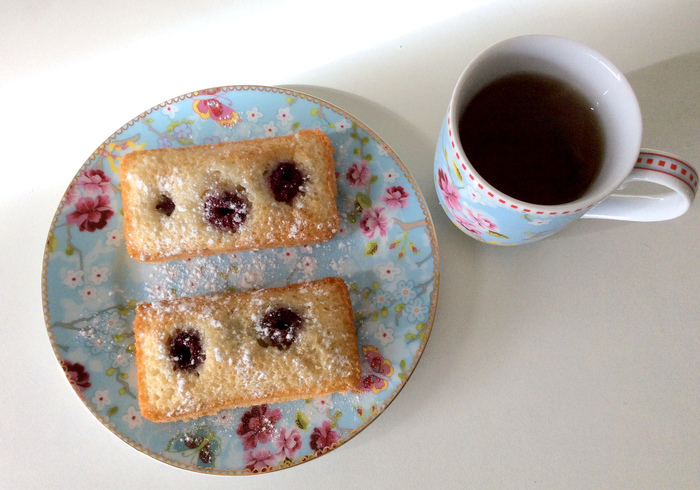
[(188, 173), (237, 370), (139, 329), (126, 191)]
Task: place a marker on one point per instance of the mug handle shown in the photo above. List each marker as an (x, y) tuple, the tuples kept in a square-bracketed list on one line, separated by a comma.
[(666, 169)]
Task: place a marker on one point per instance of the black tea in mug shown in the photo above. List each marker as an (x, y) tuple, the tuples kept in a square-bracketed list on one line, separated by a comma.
[(534, 138)]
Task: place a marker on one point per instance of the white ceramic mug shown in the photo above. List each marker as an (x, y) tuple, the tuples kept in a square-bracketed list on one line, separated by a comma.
[(487, 214)]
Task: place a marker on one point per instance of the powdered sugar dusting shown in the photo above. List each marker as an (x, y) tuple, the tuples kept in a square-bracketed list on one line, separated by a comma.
[(217, 355), (391, 285)]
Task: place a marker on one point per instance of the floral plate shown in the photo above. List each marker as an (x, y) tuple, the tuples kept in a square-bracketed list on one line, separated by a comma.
[(386, 251)]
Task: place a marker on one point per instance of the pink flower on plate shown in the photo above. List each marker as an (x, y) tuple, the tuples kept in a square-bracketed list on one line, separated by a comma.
[(94, 181), (481, 221), (376, 370), (449, 192), (288, 441), (395, 197), (259, 459), (374, 219), (323, 437), (77, 375), (91, 214), (359, 175), (72, 195), (257, 425)]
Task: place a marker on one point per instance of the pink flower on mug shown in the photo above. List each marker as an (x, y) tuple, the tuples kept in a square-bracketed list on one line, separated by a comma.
[(288, 441), (449, 192), (91, 214), (481, 221), (259, 459), (94, 181), (323, 437), (395, 197), (468, 225), (374, 219), (359, 175), (257, 425)]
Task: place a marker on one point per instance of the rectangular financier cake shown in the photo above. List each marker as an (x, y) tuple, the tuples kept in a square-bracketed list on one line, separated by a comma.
[(226, 197), (196, 356)]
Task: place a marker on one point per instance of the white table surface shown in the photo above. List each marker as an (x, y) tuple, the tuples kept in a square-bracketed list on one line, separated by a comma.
[(569, 363)]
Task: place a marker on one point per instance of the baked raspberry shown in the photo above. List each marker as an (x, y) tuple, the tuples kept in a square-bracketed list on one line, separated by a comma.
[(279, 328), (285, 181), (186, 350), (226, 210), (165, 205)]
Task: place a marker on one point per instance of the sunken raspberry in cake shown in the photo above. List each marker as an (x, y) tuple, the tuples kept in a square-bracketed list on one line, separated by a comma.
[(196, 356), (245, 195)]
